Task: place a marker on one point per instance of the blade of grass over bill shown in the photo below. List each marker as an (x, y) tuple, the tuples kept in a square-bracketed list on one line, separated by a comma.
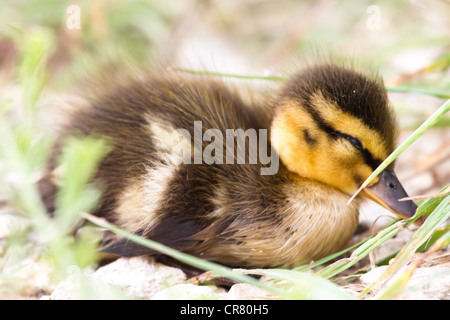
[(430, 122)]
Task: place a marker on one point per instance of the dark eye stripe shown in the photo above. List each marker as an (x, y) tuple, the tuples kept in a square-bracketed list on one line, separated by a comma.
[(369, 159)]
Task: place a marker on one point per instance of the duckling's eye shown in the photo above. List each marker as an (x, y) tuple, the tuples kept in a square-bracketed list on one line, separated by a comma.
[(355, 142)]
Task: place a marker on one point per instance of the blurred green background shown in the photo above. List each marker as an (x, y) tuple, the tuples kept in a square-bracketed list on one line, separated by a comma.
[(400, 37)]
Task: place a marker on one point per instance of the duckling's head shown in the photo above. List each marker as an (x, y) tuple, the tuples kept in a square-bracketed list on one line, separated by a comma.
[(334, 125)]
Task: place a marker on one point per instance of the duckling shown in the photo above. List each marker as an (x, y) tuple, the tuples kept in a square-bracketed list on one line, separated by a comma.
[(326, 129)]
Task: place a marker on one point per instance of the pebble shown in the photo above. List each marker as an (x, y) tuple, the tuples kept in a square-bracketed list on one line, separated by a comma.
[(428, 283)]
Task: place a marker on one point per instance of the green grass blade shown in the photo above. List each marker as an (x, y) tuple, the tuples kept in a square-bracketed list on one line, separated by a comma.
[(218, 270), (36, 47), (362, 251), (368, 245), (322, 261), (400, 282), (429, 205), (77, 164), (435, 93), (305, 286), (439, 215), (228, 75)]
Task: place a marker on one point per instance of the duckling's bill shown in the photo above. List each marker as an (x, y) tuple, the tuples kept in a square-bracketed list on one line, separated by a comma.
[(387, 191)]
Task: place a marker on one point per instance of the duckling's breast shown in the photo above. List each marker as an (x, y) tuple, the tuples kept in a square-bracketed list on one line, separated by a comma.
[(304, 221), (318, 221)]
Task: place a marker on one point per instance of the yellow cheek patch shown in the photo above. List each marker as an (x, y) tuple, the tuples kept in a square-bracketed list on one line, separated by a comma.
[(290, 124), (363, 172), (351, 125), (324, 160), (287, 143)]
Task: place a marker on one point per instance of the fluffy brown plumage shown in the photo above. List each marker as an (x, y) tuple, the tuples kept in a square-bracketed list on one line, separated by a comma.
[(333, 125)]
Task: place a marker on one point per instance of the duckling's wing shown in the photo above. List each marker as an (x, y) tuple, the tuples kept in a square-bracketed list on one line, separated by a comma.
[(174, 232), (129, 116), (179, 232)]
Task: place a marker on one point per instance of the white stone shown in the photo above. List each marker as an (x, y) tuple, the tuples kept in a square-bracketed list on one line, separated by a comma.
[(425, 283), (188, 291), (128, 277), (245, 291)]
